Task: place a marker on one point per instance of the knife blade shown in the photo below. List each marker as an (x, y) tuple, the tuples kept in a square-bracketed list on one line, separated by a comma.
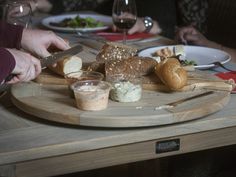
[(47, 61)]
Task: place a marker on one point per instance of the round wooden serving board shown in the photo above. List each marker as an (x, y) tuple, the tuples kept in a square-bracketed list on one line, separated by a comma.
[(52, 102)]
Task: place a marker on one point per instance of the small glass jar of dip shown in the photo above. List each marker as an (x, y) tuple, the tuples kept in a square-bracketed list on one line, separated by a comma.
[(80, 76), (125, 89), (91, 95)]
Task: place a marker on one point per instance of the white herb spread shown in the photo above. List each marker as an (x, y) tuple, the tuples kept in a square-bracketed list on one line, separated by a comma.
[(126, 92)]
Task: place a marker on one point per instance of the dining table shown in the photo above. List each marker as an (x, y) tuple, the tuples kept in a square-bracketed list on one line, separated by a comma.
[(30, 146)]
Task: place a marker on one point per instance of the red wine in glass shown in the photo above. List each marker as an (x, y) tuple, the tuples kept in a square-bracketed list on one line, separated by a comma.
[(124, 15), (124, 23)]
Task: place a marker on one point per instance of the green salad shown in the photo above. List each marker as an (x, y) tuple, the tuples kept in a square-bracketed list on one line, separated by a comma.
[(78, 22), (188, 62)]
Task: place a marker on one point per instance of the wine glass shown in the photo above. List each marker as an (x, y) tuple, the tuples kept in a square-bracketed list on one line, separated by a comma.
[(19, 13), (124, 15)]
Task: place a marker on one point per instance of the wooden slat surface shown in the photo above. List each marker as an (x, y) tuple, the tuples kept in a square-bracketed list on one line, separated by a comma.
[(123, 154), (40, 139)]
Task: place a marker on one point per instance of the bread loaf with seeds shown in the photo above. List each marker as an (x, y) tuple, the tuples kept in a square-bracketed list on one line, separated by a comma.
[(115, 51), (97, 66), (130, 67)]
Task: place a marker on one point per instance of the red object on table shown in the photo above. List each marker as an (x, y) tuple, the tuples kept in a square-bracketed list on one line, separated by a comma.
[(111, 36), (227, 76)]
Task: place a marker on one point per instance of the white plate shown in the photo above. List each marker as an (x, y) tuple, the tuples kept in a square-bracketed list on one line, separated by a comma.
[(203, 56), (106, 20)]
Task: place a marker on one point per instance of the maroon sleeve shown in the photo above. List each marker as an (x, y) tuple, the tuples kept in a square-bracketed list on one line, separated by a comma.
[(7, 63), (10, 35)]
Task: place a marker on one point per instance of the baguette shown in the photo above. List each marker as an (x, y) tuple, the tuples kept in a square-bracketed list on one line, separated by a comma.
[(67, 65), (171, 73)]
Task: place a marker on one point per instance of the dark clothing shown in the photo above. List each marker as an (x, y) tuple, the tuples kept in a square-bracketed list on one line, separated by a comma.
[(57, 7), (61, 6), (193, 12), (221, 22), (10, 37), (7, 63), (174, 13), (163, 11), (218, 162)]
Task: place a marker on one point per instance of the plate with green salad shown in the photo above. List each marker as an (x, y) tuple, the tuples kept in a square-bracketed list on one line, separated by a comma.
[(78, 22)]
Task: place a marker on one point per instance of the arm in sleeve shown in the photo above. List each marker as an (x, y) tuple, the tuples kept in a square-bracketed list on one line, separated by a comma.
[(7, 63), (10, 35)]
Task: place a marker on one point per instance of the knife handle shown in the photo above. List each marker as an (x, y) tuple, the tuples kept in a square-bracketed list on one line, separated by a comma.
[(5, 86), (9, 77)]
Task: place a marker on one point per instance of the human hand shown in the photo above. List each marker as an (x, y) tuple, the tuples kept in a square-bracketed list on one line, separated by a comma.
[(27, 67), (190, 35), (139, 27), (37, 42)]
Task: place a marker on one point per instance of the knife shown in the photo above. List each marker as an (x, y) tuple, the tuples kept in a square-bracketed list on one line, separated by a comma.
[(47, 61), (175, 103)]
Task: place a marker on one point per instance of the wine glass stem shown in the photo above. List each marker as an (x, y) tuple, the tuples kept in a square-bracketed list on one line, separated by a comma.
[(124, 36)]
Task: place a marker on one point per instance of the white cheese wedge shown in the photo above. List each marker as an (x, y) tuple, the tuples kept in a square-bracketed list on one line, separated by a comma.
[(179, 50)]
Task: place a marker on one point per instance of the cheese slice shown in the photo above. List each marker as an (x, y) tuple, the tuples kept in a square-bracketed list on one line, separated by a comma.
[(179, 50)]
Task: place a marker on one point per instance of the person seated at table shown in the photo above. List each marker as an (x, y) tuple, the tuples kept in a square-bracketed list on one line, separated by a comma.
[(168, 14), (172, 13), (100, 6), (164, 15), (23, 65), (189, 35)]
